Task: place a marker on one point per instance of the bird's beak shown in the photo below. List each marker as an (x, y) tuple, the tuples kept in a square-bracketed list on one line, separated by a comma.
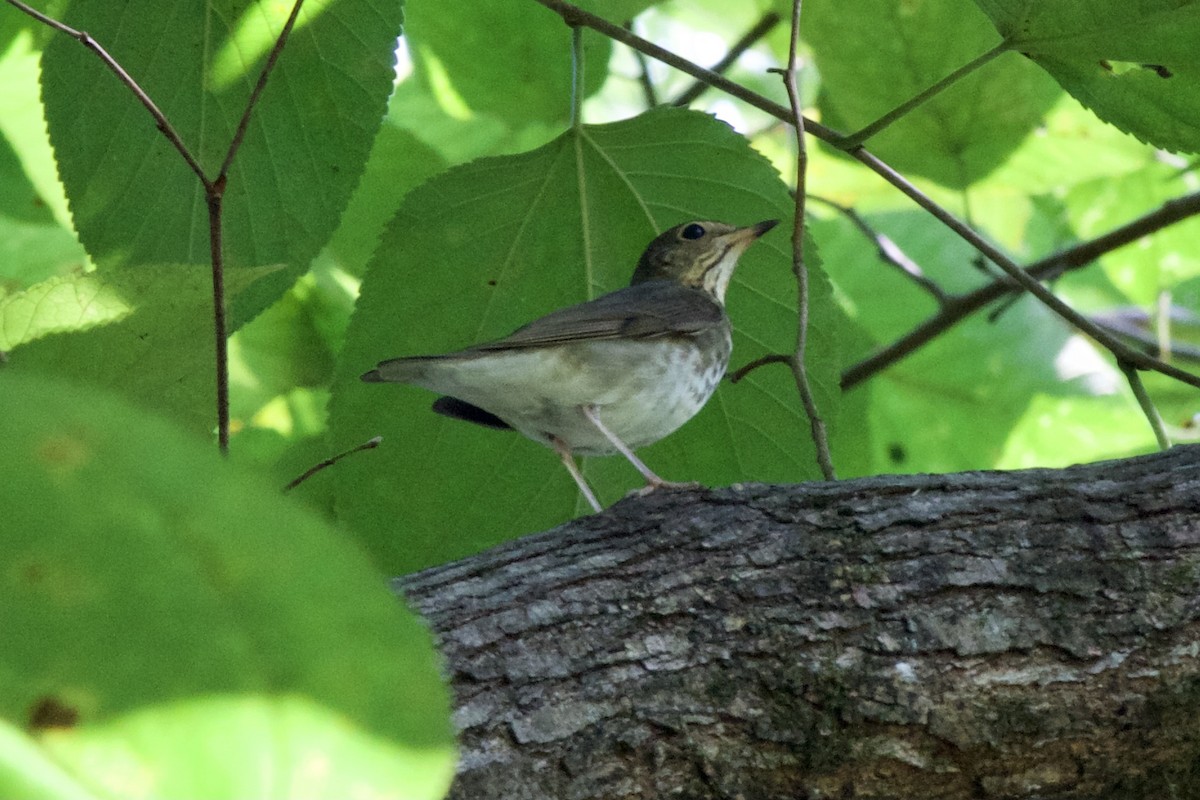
[(762, 227), (743, 237)]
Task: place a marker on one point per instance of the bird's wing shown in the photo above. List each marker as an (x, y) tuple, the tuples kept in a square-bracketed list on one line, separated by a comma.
[(647, 310)]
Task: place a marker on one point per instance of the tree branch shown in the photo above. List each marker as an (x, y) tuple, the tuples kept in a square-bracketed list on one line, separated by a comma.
[(977, 635)]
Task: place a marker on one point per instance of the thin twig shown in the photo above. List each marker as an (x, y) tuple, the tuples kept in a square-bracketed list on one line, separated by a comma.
[(244, 123), (761, 361), (329, 462), (573, 15), (888, 250), (214, 197), (798, 362), (644, 80), (858, 137), (765, 25), (1031, 284), (160, 119), (1145, 403)]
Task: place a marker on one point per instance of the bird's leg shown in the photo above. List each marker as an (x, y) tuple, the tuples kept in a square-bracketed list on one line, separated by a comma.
[(568, 460), (652, 479)]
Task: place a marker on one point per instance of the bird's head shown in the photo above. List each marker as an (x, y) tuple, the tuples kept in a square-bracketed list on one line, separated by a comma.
[(701, 254)]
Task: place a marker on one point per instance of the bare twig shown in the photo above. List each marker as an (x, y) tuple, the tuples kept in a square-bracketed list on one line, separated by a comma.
[(160, 119), (889, 251), (799, 366), (573, 15), (644, 80), (370, 444), (761, 28), (761, 361), (268, 67), (1031, 284)]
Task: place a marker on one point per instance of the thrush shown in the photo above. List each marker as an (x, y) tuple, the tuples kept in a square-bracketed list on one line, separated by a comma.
[(610, 375)]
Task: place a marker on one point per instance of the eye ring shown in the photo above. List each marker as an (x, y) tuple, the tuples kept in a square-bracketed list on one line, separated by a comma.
[(693, 231)]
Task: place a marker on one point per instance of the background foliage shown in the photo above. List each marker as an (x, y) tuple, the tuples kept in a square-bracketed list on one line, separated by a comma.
[(395, 201)]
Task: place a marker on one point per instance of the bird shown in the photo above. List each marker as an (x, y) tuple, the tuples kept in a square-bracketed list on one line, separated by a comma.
[(609, 375)]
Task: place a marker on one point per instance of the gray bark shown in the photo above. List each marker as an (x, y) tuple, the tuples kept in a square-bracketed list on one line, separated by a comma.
[(977, 635)]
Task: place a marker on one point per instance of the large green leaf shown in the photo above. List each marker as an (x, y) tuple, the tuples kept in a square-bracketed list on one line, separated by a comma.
[(144, 332), (883, 52), (1134, 64), (173, 627), (134, 200), (483, 248)]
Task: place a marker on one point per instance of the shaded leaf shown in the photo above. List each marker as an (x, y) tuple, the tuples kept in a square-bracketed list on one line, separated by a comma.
[(884, 53), (1133, 64), (134, 200), (157, 645), (145, 333)]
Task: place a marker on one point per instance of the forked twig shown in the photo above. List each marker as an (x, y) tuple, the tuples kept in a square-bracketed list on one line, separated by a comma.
[(214, 188)]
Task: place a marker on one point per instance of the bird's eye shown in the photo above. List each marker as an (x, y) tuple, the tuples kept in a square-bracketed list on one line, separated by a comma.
[(693, 231)]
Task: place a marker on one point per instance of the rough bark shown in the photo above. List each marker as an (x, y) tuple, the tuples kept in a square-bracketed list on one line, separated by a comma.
[(996, 635)]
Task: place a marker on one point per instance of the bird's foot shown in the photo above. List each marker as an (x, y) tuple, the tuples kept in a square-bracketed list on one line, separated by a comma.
[(654, 486)]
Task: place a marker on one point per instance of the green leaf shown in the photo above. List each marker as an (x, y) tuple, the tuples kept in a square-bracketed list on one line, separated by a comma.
[(1061, 431), (173, 627), (134, 200), (1133, 64), (884, 53), (33, 246), (144, 332), (482, 249), (509, 60)]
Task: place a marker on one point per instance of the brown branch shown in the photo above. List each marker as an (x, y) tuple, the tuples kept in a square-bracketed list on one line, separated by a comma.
[(214, 197), (573, 15), (160, 119), (1016, 634), (888, 250), (369, 444), (958, 308), (799, 268)]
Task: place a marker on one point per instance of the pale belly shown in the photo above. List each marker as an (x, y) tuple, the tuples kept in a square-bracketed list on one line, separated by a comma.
[(640, 390)]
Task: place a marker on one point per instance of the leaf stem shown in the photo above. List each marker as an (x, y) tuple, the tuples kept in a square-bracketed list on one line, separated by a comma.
[(1146, 404), (858, 137)]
